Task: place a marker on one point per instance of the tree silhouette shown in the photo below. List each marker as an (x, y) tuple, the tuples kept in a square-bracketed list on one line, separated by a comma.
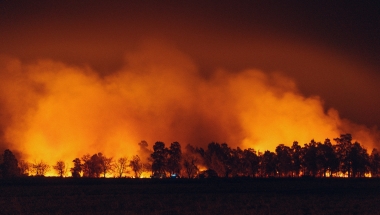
[(121, 166), (77, 169), (92, 166), (174, 160), (354, 159), (105, 163), (160, 158), (136, 165), (25, 168), (310, 159), (212, 158), (313, 159), (284, 160), (375, 163), (238, 163), (342, 150), (359, 159), (268, 164), (327, 160), (40, 168), (227, 159), (297, 156), (86, 165), (190, 161), (9, 168), (95, 166), (60, 168), (251, 162), (218, 157)]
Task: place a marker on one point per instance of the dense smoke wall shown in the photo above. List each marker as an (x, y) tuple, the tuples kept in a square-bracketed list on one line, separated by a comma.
[(52, 111)]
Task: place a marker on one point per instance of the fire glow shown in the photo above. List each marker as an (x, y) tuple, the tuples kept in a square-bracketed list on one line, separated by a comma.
[(60, 112)]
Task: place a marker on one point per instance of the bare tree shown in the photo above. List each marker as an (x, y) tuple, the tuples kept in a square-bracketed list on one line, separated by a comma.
[(106, 164), (60, 168), (121, 166), (40, 168), (191, 159), (136, 165), (25, 167), (190, 164)]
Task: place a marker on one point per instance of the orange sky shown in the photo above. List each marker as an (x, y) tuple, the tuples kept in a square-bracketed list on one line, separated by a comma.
[(82, 78)]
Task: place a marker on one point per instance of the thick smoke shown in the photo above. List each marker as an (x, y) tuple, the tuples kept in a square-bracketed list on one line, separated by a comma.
[(53, 111)]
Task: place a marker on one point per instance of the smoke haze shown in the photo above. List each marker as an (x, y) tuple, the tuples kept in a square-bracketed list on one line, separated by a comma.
[(52, 111)]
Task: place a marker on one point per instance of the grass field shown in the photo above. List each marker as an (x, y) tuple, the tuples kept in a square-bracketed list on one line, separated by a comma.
[(180, 196)]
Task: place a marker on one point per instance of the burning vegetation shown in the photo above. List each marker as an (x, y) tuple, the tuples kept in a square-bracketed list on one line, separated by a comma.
[(314, 159)]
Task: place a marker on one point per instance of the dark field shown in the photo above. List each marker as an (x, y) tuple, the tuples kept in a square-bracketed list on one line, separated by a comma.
[(180, 196)]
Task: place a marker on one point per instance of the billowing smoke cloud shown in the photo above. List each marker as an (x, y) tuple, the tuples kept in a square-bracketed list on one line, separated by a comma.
[(53, 111)]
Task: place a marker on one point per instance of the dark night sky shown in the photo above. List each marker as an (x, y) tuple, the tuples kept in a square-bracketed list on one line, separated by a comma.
[(331, 49)]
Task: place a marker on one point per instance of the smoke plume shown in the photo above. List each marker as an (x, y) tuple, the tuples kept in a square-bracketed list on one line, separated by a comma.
[(52, 111)]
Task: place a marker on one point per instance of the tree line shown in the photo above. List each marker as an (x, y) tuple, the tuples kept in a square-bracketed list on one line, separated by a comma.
[(314, 159)]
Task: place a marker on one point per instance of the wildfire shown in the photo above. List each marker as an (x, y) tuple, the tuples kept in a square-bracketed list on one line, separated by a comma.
[(60, 112)]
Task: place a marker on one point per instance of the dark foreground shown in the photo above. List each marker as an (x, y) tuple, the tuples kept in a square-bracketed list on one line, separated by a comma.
[(180, 196)]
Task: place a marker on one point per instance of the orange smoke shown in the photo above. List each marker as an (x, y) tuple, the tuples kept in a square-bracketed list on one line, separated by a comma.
[(53, 111)]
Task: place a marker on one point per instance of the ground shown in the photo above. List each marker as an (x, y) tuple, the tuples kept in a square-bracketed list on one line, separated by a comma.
[(181, 196)]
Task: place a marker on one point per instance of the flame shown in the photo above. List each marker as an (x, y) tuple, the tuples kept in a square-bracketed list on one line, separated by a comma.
[(145, 175), (61, 112)]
